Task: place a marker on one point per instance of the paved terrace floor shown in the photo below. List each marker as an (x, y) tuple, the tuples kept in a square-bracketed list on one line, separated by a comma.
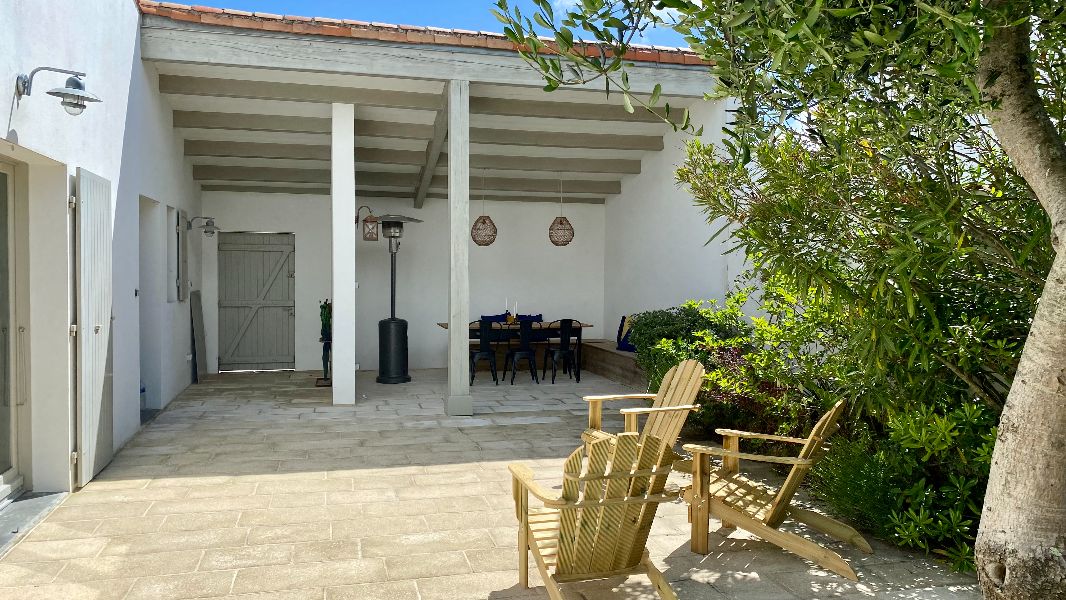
[(255, 487)]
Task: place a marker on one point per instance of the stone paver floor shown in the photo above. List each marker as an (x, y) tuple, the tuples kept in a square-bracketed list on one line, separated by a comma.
[(255, 487)]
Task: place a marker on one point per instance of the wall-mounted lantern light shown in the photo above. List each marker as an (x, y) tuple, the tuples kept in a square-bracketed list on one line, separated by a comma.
[(370, 224), (208, 225), (73, 96)]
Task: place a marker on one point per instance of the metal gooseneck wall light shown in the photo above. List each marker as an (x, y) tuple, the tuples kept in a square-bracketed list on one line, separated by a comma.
[(73, 96), (209, 227), (392, 332)]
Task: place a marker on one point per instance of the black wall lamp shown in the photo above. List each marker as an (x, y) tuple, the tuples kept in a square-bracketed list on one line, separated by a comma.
[(73, 96)]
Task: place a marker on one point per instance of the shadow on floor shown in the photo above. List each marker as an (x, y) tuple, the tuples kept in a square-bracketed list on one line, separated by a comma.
[(23, 513)]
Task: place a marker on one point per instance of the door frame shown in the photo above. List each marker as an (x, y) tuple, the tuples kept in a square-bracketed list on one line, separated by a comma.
[(11, 479)]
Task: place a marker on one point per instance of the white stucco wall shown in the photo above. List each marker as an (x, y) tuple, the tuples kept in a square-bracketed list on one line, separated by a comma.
[(522, 265), (126, 139), (305, 216), (657, 253)]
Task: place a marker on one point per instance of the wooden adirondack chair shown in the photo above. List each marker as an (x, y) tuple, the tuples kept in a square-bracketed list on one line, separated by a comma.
[(667, 414), (740, 502), (598, 526)]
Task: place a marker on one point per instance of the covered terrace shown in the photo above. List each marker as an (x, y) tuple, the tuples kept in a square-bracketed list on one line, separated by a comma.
[(290, 124)]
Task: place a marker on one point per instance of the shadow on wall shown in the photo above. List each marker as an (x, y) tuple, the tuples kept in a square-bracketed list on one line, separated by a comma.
[(147, 136)]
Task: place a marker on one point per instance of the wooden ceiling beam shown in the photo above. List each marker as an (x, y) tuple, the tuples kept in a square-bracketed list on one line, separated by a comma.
[(295, 92), (252, 188), (433, 152), (478, 135), (257, 174), (201, 148), (251, 175)]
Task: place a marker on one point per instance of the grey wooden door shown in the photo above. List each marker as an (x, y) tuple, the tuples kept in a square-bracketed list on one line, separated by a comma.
[(256, 301)]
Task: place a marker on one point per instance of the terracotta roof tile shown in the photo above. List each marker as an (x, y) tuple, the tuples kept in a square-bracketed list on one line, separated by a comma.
[(388, 32)]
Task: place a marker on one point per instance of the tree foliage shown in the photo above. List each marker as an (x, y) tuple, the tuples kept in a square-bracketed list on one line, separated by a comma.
[(859, 171)]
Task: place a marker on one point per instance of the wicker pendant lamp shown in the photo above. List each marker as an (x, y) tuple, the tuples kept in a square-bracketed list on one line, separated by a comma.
[(561, 232), (483, 232)]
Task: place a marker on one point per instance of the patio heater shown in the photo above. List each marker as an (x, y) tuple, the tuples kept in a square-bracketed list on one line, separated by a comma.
[(392, 332)]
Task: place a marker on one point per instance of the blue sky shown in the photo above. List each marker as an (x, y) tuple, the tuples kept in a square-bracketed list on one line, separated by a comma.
[(462, 14)]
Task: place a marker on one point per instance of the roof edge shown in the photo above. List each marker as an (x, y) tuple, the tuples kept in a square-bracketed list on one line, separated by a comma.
[(385, 32)]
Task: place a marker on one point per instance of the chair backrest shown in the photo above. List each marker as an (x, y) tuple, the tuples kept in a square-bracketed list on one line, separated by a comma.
[(525, 336), (825, 427), (565, 327), (488, 333), (680, 386), (613, 490)]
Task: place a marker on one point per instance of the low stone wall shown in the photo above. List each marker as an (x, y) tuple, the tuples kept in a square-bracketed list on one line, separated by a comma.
[(597, 356)]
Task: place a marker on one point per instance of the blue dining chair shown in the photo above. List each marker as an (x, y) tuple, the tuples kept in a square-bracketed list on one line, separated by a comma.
[(488, 333), (524, 350), (561, 352)]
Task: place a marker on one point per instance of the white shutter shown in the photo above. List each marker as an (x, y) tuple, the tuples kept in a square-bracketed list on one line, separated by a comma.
[(183, 257), (94, 403)]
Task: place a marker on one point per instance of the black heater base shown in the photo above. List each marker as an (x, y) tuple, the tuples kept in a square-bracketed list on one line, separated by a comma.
[(392, 351)]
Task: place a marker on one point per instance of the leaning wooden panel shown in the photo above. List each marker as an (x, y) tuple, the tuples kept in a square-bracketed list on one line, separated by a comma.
[(740, 502), (598, 526)]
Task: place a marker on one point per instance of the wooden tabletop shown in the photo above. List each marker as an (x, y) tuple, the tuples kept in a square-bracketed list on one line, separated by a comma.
[(515, 325)]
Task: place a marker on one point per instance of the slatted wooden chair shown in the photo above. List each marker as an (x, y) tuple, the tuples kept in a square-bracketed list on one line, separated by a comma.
[(670, 407), (741, 502), (598, 526)]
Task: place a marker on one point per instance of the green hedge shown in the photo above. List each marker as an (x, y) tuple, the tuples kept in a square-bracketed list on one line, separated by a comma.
[(909, 472)]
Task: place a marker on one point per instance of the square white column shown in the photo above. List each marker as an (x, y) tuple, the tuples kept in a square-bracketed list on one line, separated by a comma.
[(458, 401), (344, 229)]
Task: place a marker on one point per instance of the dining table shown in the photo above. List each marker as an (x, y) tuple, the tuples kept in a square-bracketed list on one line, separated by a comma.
[(547, 329)]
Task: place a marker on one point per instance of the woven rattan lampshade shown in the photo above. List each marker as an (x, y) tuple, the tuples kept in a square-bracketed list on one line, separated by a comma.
[(561, 232), (483, 231)]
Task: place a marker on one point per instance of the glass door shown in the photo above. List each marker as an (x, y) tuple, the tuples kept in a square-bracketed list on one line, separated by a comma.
[(8, 421)]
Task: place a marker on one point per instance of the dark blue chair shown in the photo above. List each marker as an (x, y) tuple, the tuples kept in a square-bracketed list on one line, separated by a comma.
[(524, 350), (562, 352), (488, 334)]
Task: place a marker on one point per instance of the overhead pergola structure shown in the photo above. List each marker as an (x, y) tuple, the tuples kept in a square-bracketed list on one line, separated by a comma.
[(437, 115)]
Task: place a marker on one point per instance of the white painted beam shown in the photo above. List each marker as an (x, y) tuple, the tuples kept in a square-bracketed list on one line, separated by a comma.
[(433, 151), (342, 191), (478, 135), (294, 92), (458, 401), (312, 152)]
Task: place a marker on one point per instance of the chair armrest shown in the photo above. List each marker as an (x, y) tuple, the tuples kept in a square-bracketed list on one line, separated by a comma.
[(523, 476), (596, 406), (620, 397), (713, 451), (657, 409), (760, 436), (630, 414)]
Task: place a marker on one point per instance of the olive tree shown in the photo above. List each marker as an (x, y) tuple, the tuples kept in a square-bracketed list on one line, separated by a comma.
[(910, 76)]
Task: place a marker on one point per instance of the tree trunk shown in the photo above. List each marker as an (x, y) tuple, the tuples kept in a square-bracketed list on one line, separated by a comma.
[(1022, 539)]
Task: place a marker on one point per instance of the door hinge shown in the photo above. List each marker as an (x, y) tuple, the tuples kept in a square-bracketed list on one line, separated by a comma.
[(73, 458), (73, 330), (72, 201)]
